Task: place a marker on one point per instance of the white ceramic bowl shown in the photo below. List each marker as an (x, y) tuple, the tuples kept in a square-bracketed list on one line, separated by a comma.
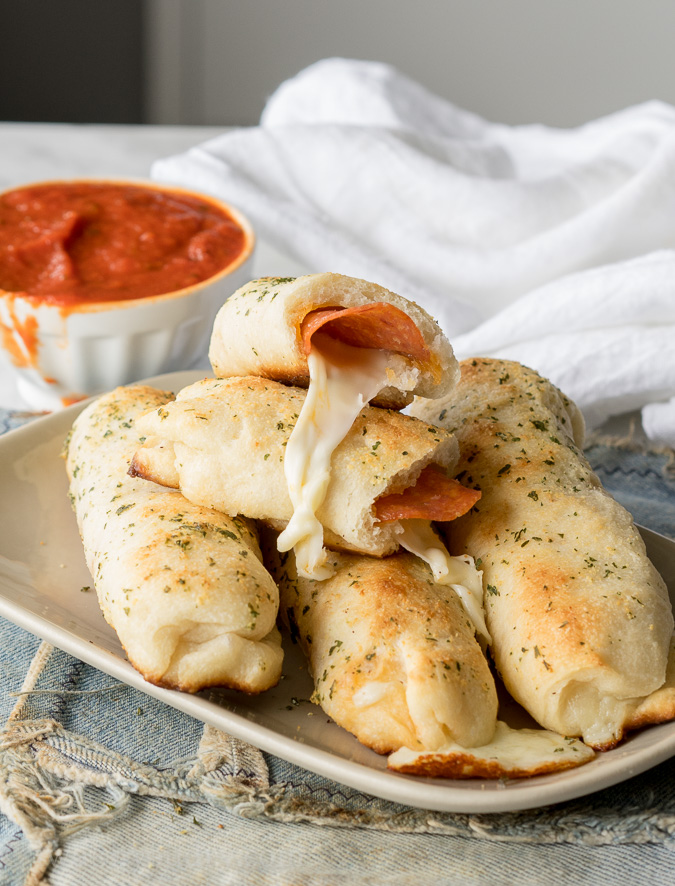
[(61, 355)]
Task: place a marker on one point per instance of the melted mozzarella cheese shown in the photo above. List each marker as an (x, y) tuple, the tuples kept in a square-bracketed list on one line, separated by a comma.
[(343, 379), (459, 573), (511, 752), (370, 693), (597, 716)]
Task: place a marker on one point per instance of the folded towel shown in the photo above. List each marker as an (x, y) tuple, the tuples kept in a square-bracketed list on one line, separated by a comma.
[(552, 247)]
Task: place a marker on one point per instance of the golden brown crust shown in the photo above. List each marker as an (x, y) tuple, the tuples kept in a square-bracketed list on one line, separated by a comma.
[(393, 654), (659, 707), (580, 619), (511, 753), (154, 460), (467, 766)]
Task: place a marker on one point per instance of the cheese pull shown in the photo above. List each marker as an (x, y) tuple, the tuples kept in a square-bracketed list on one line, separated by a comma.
[(349, 356), (343, 380), (223, 443), (352, 343)]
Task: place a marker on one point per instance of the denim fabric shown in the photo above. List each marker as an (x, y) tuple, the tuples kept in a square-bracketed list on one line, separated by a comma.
[(102, 784), (643, 483)]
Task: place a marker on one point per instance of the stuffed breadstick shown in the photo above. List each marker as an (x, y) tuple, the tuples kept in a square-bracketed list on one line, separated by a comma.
[(183, 586), (393, 655), (350, 342), (223, 442), (580, 620), (269, 327), (395, 662)]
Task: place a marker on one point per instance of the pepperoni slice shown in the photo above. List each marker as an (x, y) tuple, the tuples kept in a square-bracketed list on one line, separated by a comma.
[(375, 325), (435, 496)]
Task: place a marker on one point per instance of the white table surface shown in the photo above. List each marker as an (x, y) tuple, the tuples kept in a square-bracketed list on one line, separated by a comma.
[(32, 152)]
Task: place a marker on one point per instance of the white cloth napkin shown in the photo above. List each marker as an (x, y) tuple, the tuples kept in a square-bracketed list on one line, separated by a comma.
[(552, 247)]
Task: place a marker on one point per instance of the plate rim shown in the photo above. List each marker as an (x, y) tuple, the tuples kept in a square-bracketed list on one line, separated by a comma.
[(434, 795)]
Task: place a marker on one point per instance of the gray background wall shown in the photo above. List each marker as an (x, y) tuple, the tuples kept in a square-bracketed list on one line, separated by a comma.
[(560, 62), (73, 61)]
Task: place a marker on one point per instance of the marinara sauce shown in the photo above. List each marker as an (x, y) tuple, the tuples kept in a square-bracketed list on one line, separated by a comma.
[(68, 243)]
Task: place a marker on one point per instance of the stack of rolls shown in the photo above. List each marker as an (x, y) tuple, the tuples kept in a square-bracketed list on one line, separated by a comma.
[(301, 431), (376, 537), (226, 444)]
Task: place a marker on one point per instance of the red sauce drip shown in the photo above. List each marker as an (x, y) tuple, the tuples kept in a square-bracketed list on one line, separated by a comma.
[(19, 339), (71, 242), (74, 398)]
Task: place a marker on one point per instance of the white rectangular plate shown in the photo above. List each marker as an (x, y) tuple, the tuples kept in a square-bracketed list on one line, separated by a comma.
[(42, 573)]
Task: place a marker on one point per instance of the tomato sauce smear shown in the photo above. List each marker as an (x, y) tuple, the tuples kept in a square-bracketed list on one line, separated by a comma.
[(68, 243)]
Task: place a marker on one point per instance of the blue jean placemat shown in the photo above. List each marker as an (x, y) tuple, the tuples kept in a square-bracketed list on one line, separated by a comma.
[(100, 783)]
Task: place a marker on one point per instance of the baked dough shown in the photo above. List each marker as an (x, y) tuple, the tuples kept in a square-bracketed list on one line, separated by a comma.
[(223, 441), (580, 620), (182, 585), (258, 332), (350, 342), (512, 753), (392, 653), (395, 662)]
